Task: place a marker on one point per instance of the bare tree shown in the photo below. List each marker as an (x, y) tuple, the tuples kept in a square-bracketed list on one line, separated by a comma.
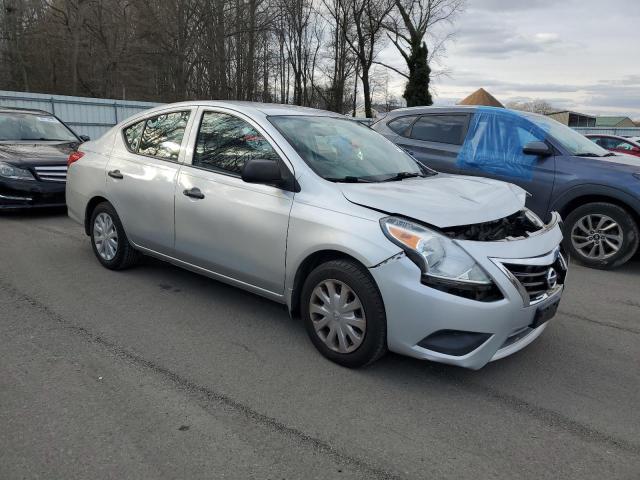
[(365, 38), (414, 20), (534, 106)]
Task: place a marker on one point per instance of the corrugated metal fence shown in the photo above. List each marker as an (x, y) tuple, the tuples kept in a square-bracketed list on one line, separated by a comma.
[(86, 116), (622, 132), (94, 116)]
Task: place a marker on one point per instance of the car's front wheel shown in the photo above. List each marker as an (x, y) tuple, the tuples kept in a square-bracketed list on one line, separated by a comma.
[(601, 235), (109, 240), (344, 314)]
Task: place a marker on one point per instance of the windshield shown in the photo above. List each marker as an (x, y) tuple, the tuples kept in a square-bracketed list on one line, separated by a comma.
[(339, 149), (575, 143), (27, 126)]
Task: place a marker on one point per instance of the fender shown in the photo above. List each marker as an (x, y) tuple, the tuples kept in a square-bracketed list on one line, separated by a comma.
[(592, 189)]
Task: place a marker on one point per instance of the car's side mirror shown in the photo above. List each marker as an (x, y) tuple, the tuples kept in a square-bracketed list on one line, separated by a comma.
[(259, 170), (540, 149), (84, 138)]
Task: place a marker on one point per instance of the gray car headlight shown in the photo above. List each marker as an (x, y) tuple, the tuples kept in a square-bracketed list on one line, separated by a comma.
[(436, 255), (14, 173)]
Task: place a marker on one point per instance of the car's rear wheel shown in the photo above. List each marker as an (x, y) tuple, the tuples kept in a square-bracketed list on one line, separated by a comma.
[(109, 240), (601, 235), (344, 314)]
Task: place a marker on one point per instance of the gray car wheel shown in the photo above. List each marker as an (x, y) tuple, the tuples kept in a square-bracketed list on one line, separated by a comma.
[(601, 235), (109, 240), (344, 314)]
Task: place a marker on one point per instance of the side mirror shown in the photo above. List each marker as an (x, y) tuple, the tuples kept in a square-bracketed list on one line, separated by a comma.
[(84, 138), (539, 149), (262, 171)]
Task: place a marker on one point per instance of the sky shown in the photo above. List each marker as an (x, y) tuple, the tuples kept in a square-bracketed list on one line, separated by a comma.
[(581, 55)]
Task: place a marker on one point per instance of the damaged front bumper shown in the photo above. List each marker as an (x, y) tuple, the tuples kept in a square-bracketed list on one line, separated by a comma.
[(432, 324)]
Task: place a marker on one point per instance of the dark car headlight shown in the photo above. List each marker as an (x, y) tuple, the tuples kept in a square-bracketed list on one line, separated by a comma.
[(14, 173)]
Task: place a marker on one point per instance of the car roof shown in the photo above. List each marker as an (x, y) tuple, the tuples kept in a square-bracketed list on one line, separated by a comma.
[(419, 110), (31, 111), (268, 109), (455, 109)]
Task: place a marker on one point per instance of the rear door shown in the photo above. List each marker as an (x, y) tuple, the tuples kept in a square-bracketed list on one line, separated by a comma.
[(435, 140), (142, 173), (235, 229)]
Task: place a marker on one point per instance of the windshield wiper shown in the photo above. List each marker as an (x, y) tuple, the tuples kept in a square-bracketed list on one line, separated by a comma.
[(45, 139), (402, 176), (348, 179), (588, 154), (610, 154)]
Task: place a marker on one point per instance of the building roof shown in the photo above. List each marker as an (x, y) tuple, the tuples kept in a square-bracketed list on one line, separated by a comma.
[(481, 97), (571, 112), (610, 121)]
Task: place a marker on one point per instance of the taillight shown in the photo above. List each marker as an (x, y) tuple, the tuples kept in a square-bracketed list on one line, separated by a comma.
[(74, 157)]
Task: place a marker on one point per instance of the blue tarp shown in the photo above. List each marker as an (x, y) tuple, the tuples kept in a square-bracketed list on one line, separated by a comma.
[(494, 143)]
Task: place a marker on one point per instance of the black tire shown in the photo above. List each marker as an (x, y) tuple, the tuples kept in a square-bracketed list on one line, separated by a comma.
[(628, 227), (356, 277), (125, 256)]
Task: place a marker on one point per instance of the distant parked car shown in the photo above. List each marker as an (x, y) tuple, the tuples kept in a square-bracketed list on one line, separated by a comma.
[(596, 191), (34, 148), (616, 144), (313, 210)]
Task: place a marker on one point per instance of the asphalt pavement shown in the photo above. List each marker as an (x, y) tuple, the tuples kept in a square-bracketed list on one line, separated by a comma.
[(159, 373)]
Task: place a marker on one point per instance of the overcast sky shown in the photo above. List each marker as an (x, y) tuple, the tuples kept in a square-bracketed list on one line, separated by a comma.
[(581, 55)]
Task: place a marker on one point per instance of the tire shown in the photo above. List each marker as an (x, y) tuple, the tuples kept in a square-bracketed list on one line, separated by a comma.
[(124, 255), (355, 283), (580, 239)]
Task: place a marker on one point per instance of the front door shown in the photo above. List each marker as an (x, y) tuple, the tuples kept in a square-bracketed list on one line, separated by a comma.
[(235, 229), (493, 148)]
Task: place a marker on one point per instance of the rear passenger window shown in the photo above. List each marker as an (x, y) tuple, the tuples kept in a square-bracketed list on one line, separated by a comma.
[(440, 128), (401, 125), (225, 143), (162, 135), (132, 135)]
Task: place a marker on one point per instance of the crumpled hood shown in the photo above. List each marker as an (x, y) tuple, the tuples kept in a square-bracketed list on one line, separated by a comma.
[(442, 200), (33, 153)]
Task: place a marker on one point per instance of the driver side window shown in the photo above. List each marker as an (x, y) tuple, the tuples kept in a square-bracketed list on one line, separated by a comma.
[(226, 142)]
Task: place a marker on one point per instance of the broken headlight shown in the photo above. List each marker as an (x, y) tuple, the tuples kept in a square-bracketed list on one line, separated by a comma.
[(437, 255), (533, 218)]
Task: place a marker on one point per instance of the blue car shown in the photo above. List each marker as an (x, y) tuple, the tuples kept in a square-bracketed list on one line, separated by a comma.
[(597, 192)]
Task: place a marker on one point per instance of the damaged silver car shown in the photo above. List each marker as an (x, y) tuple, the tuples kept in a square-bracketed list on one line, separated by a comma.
[(372, 250)]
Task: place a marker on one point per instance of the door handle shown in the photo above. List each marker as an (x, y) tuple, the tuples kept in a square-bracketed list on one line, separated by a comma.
[(194, 193), (115, 174)]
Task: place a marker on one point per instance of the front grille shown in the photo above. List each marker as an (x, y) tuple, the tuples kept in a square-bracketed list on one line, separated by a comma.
[(52, 173), (538, 277)]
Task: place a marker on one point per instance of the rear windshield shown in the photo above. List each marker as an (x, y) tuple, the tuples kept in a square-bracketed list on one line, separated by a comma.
[(27, 126)]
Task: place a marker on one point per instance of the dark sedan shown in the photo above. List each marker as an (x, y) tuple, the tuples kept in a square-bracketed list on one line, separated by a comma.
[(34, 148)]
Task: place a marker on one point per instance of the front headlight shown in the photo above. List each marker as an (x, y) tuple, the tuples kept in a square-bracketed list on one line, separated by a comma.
[(436, 255), (14, 173), (533, 218)]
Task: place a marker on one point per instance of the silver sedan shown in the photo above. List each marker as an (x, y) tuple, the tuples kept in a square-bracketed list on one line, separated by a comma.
[(308, 208)]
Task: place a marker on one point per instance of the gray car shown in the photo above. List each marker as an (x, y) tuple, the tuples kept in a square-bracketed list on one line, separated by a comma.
[(310, 209), (597, 192)]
